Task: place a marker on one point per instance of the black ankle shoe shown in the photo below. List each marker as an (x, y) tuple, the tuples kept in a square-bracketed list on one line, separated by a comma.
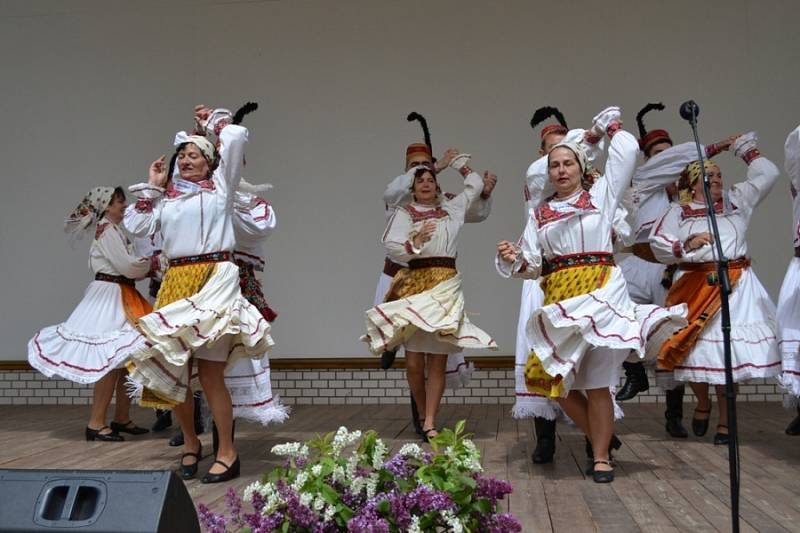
[(700, 425), (387, 359), (793, 428), (231, 472), (94, 434), (602, 476), (163, 420), (635, 381), (721, 438), (128, 427), (189, 471), (674, 427)]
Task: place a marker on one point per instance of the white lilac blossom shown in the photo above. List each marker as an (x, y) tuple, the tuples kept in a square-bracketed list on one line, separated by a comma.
[(372, 484), (411, 450), (319, 504), (414, 527), (454, 525), (306, 498), (291, 449), (316, 469), (378, 454), (343, 439), (301, 479)]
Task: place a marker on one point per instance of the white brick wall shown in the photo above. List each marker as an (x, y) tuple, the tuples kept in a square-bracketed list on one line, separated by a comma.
[(341, 387)]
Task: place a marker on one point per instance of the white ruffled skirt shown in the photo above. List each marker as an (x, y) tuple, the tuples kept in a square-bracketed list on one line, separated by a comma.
[(438, 311), (754, 345), (458, 372), (95, 339), (216, 323), (605, 320), (788, 317)]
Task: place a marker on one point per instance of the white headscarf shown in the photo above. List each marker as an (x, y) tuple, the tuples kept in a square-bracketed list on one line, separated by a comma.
[(89, 211)]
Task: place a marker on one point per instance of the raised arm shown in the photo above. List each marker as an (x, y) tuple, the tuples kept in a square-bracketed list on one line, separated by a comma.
[(791, 151), (142, 217), (398, 192), (761, 174)]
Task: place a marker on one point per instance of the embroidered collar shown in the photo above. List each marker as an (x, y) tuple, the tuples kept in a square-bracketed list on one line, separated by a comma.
[(419, 212), (687, 211), (553, 210), (178, 187)]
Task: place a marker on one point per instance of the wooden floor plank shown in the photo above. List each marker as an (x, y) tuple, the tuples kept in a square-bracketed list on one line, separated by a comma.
[(662, 484)]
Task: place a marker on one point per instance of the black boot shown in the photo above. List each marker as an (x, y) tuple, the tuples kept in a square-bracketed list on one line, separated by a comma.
[(198, 415), (793, 428), (387, 359), (635, 381), (545, 440), (163, 420), (674, 413), (415, 416), (215, 435)]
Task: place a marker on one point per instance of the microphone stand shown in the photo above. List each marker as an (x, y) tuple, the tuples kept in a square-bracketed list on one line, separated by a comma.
[(725, 291)]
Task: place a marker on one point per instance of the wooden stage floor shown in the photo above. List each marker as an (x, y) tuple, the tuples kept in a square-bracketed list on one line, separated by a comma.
[(662, 484)]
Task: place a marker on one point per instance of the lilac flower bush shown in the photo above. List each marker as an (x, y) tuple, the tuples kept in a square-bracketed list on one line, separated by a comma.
[(345, 481)]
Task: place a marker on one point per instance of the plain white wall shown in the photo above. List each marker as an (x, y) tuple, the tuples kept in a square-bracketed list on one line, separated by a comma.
[(93, 91)]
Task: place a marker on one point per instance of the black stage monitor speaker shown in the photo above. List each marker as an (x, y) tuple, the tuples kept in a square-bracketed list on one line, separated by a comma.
[(118, 501)]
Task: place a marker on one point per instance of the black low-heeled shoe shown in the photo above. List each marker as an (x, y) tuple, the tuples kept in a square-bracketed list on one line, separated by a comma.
[(231, 472), (128, 427), (387, 359), (163, 420), (700, 425), (426, 437), (94, 434), (189, 471), (721, 438), (602, 476)]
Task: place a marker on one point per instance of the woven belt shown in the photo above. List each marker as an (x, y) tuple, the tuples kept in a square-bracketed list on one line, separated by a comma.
[(214, 257), (643, 251), (711, 266), (576, 260), (390, 268), (122, 280), (431, 262)]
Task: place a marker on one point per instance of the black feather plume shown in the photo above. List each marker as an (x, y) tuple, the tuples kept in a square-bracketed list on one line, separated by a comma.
[(246, 109), (424, 123), (543, 113), (642, 112)]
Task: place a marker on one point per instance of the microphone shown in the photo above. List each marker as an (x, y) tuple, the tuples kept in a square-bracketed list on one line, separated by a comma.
[(689, 110)]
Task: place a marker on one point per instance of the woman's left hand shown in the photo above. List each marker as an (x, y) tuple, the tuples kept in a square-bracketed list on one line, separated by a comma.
[(489, 182), (507, 251)]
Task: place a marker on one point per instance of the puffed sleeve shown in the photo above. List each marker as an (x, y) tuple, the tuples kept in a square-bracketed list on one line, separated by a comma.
[(621, 163), (791, 151), (233, 139), (398, 192), (529, 261), (142, 217), (761, 177), (473, 187), (113, 246), (254, 218), (479, 210), (398, 237)]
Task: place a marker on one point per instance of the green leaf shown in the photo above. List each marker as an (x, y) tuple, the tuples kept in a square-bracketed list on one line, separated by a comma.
[(482, 506), (384, 507)]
